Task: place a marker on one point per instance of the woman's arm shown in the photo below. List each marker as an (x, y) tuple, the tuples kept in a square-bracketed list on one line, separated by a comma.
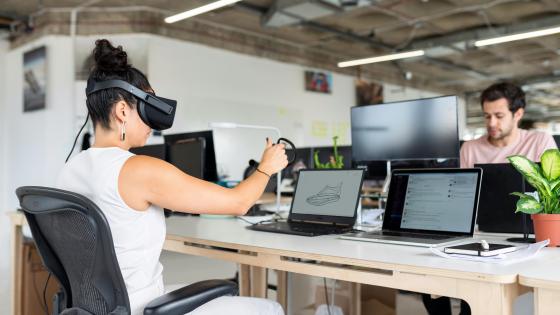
[(145, 180)]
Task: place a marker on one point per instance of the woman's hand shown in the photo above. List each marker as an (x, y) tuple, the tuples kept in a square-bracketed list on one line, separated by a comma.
[(274, 158)]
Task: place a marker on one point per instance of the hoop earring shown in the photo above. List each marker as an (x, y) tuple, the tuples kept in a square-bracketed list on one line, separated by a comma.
[(123, 131)]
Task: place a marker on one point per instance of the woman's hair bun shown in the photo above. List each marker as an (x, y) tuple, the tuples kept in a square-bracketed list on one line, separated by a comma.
[(109, 58)]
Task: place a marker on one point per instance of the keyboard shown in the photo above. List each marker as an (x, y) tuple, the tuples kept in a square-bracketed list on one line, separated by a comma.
[(297, 228), (414, 235)]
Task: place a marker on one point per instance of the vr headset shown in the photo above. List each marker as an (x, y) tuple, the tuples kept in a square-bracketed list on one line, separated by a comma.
[(155, 111)]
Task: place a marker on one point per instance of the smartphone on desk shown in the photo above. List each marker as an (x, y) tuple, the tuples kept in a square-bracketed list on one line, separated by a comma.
[(476, 249)]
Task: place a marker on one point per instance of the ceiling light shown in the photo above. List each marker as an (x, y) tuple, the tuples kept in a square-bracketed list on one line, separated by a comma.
[(520, 36), (409, 54), (199, 10)]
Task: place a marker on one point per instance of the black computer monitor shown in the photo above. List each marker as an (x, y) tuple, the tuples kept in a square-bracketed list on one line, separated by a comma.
[(303, 160), (557, 140), (411, 130), (496, 208), (326, 152), (153, 150), (188, 156), (209, 172)]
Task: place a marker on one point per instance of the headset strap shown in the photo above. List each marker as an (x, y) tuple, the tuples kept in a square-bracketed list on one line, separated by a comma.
[(146, 97)]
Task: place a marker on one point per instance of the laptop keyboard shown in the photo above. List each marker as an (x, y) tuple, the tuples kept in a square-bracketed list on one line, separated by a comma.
[(398, 235), (317, 228), (297, 228)]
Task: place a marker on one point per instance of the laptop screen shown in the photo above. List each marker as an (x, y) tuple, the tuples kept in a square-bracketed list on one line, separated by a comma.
[(440, 201), (327, 193)]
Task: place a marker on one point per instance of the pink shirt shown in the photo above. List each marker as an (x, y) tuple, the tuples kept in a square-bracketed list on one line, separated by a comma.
[(530, 143)]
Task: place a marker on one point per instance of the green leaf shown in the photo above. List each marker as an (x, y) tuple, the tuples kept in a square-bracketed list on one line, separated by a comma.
[(528, 205), (532, 173), (555, 185), (550, 164), (522, 196)]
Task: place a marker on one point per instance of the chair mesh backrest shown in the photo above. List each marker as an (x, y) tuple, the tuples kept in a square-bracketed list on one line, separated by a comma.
[(73, 239), (75, 243)]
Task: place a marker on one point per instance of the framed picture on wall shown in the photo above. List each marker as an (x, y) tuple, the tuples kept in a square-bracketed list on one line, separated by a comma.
[(368, 93), (34, 79), (318, 81)]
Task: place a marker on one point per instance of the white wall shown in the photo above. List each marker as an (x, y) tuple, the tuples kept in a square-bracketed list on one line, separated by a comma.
[(4, 222)]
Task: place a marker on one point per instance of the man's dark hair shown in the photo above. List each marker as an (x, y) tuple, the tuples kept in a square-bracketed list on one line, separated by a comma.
[(511, 92), (111, 63)]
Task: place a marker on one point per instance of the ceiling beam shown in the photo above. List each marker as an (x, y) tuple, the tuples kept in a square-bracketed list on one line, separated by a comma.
[(371, 42), (464, 40)]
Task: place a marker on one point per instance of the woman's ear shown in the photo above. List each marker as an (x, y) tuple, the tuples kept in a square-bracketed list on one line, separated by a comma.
[(122, 111)]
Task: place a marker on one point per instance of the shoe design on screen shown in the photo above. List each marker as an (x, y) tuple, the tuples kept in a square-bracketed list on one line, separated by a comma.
[(328, 194)]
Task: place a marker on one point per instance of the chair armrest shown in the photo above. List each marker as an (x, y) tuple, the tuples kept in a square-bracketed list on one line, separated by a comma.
[(186, 299)]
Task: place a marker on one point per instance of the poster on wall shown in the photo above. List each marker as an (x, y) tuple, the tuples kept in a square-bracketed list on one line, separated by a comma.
[(34, 79), (318, 81), (368, 93)]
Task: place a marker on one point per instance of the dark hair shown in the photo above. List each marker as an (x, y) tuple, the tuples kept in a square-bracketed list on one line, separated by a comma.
[(511, 92), (111, 63)]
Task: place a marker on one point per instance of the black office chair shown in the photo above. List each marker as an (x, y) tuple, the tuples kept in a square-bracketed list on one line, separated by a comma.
[(75, 243)]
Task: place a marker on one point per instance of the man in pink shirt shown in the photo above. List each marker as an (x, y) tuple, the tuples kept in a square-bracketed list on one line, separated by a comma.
[(503, 105)]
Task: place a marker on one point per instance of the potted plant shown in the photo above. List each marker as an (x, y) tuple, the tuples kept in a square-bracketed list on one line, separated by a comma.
[(335, 161), (544, 210)]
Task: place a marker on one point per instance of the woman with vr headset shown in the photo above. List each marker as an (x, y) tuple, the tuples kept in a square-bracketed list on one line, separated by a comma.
[(132, 190)]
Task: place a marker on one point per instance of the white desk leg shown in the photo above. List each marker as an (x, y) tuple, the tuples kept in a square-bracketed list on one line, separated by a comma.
[(17, 253), (355, 299), (259, 281), (547, 301), (244, 280), (282, 289)]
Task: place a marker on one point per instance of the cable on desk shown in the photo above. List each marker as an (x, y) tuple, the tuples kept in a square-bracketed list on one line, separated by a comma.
[(275, 218), (327, 296)]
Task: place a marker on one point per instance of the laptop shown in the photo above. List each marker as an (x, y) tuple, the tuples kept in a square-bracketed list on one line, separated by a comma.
[(496, 211), (428, 207), (325, 202)]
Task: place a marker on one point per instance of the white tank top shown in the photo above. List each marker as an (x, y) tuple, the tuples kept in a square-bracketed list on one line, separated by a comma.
[(138, 236)]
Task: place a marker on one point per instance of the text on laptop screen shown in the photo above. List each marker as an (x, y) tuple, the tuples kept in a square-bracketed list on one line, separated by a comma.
[(332, 193), (432, 202)]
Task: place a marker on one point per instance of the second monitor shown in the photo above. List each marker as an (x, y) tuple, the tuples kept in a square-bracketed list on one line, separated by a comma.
[(193, 152), (409, 130)]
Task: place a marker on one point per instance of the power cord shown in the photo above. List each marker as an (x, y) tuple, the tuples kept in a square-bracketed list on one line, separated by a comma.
[(36, 291), (45, 294), (326, 296), (275, 217), (76, 139)]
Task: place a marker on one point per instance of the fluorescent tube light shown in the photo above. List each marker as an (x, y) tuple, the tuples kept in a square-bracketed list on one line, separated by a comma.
[(199, 10), (520, 36), (409, 54)]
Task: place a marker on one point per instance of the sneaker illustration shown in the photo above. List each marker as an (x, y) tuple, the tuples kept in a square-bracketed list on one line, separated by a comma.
[(327, 195)]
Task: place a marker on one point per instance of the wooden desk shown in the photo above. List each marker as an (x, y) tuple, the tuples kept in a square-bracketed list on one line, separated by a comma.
[(488, 288), (18, 220), (543, 275)]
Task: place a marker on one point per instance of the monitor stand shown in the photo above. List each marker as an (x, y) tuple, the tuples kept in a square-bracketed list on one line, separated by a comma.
[(387, 178), (525, 238)]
